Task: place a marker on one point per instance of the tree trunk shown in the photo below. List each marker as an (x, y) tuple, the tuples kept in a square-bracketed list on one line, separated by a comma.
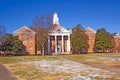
[(42, 50)]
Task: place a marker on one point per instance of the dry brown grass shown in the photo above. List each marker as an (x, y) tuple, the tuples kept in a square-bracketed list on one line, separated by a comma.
[(25, 72)]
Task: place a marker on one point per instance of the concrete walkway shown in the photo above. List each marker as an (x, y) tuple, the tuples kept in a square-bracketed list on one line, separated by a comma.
[(5, 74)]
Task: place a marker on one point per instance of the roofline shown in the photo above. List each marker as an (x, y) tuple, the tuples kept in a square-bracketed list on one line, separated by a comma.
[(91, 29), (22, 28)]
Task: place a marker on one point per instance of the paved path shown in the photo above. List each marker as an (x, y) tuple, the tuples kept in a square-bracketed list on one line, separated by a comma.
[(5, 74)]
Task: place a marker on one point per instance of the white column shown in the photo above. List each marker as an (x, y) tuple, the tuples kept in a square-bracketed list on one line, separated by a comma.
[(48, 44), (55, 44), (68, 44), (62, 44)]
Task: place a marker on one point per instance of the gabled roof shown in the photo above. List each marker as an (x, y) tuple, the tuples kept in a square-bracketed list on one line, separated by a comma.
[(25, 28), (59, 29), (117, 35), (90, 29)]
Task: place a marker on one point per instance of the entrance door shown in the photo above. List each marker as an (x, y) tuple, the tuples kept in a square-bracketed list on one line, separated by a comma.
[(59, 49)]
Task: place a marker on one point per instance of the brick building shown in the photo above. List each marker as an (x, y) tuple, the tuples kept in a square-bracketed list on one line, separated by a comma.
[(91, 35), (59, 39), (27, 36), (116, 43)]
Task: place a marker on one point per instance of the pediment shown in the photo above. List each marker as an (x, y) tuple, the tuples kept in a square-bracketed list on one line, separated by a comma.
[(59, 29), (89, 30), (24, 29)]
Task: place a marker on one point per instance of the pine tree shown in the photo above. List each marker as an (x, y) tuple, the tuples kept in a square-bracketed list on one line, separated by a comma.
[(16, 44), (79, 39), (7, 43), (103, 41)]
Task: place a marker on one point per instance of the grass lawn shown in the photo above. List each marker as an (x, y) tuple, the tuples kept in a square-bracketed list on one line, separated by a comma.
[(26, 72), (106, 61), (31, 67)]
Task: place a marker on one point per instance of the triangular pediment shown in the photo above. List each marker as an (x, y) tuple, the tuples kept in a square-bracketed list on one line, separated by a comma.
[(59, 29), (24, 29), (90, 30)]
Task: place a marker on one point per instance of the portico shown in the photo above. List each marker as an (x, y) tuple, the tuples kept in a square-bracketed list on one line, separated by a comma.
[(59, 43), (58, 38)]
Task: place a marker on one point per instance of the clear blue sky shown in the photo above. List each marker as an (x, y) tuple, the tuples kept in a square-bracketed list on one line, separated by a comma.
[(90, 13)]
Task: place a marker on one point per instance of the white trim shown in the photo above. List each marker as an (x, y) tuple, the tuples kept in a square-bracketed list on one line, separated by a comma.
[(91, 29), (60, 29), (68, 44), (62, 44), (24, 42), (64, 29), (25, 28), (118, 34), (52, 34)]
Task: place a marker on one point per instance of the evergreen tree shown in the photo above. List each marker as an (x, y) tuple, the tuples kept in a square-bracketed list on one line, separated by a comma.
[(103, 41), (7, 43), (11, 44), (79, 39), (16, 44)]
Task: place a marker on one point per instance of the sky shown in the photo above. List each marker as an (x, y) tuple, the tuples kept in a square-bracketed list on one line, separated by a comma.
[(95, 14)]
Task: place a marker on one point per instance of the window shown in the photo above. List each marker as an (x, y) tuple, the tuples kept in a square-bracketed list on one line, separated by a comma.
[(30, 42), (30, 35), (24, 36), (30, 49), (24, 42)]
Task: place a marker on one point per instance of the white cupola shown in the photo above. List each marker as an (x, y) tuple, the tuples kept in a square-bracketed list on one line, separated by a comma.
[(55, 19)]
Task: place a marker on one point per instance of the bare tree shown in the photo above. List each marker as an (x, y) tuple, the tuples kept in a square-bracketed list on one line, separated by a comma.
[(41, 25), (2, 33)]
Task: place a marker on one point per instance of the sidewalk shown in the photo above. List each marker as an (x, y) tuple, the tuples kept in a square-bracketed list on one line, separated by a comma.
[(5, 74)]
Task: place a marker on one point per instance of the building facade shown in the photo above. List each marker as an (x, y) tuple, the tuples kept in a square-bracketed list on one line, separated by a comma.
[(27, 36), (58, 38), (91, 35), (116, 43)]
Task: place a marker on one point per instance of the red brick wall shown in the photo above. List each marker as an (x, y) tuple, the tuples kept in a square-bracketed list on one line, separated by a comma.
[(91, 36), (28, 40), (116, 44)]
